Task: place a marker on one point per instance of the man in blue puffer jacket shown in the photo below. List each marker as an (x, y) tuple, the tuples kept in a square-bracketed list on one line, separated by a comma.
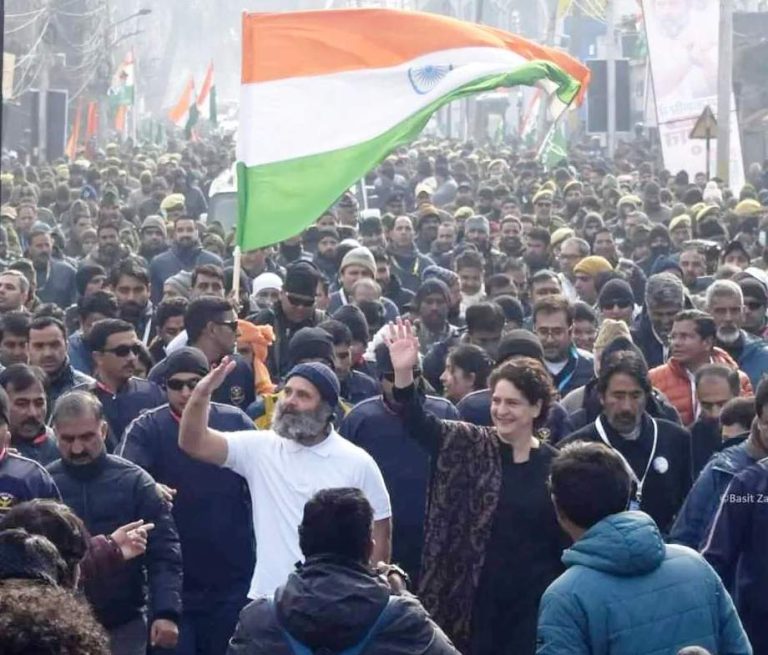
[(624, 590)]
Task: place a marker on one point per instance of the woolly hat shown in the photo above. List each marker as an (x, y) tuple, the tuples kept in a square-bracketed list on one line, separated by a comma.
[(630, 200), (593, 265), (310, 343), (610, 330), (186, 360), (360, 256), (321, 376), (753, 288), (669, 264), (181, 283), (173, 202), (560, 235), (266, 281), (438, 272), (477, 222), (302, 278), (522, 343), (573, 185), (734, 246), (683, 220), (748, 207), (543, 194), (615, 292), (429, 287), (157, 222), (705, 211)]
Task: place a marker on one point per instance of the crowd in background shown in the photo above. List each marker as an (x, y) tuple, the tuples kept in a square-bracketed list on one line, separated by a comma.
[(626, 304)]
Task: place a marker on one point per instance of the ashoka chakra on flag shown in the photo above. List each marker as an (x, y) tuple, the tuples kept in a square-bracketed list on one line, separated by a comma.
[(326, 95)]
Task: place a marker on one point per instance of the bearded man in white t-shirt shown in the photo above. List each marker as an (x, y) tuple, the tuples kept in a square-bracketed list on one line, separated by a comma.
[(285, 466)]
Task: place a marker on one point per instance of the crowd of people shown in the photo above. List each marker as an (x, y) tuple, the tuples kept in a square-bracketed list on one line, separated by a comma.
[(497, 409)]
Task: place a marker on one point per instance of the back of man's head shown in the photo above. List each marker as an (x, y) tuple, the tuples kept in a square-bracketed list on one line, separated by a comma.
[(337, 522), (589, 482)]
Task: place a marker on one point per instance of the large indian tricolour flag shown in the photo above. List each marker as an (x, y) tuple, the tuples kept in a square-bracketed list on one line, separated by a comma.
[(327, 94)]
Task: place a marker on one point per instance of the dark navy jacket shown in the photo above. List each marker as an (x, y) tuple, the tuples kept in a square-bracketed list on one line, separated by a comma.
[(358, 387), (43, 448), (238, 389), (65, 380), (404, 465), (59, 287), (736, 548), (579, 370), (22, 479), (107, 494), (212, 506), (121, 408), (175, 260), (669, 476), (476, 408), (645, 338), (700, 506)]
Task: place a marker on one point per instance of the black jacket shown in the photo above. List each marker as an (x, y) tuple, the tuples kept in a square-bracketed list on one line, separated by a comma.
[(329, 605), (111, 492), (277, 357), (645, 338)]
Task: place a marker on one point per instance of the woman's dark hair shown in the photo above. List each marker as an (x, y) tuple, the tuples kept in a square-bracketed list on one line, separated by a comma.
[(532, 380), (49, 621), (589, 482), (472, 359), (58, 523), (25, 556), (624, 362), (337, 522)]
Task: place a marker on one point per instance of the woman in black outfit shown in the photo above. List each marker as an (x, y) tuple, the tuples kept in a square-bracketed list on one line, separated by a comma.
[(492, 544)]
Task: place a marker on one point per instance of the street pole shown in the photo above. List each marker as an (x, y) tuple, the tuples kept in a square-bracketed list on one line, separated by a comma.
[(548, 41), (42, 100), (610, 63), (724, 90)]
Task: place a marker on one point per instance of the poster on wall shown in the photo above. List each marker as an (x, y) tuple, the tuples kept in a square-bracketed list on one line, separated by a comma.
[(683, 38)]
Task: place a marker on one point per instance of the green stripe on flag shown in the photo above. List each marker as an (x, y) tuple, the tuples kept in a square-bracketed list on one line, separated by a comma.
[(278, 200)]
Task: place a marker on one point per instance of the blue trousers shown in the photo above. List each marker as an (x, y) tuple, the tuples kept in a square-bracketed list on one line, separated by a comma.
[(206, 628)]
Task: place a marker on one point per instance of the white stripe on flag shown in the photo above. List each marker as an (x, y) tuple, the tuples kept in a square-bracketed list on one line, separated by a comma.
[(328, 112)]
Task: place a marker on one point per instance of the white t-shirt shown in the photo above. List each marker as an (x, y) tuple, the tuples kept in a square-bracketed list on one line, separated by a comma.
[(282, 476)]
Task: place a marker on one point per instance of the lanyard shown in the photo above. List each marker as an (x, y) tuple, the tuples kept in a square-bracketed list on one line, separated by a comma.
[(641, 481)]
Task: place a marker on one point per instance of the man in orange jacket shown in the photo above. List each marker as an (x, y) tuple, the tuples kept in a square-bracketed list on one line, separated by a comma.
[(691, 347)]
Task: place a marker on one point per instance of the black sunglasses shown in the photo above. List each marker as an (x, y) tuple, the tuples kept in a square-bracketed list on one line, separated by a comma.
[(232, 325), (621, 305), (178, 385), (754, 305), (299, 301), (124, 350)]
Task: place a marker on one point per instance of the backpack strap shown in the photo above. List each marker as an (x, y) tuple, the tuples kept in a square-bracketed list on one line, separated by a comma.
[(381, 622)]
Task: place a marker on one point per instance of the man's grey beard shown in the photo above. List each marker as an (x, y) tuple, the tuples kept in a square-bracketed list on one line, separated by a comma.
[(305, 428), (728, 335)]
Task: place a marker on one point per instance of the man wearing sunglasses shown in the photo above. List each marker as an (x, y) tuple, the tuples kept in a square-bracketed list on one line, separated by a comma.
[(211, 326), (115, 348), (295, 310), (616, 301), (211, 508)]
